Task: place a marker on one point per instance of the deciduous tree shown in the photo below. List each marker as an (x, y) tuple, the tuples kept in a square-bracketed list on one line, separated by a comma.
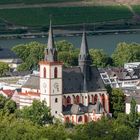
[(118, 102), (38, 113), (3, 68), (100, 58), (67, 53), (30, 53), (126, 53)]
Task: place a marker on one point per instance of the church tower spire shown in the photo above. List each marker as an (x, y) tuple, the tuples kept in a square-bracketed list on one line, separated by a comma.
[(84, 57), (51, 51), (85, 61)]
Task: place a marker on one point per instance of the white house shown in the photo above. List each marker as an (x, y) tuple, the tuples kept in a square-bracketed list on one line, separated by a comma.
[(128, 103), (120, 77)]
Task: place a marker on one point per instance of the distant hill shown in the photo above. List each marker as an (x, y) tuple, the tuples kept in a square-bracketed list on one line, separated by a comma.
[(20, 16)]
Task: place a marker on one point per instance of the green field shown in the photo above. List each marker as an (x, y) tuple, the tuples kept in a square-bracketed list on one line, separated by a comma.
[(32, 1), (65, 15), (136, 8)]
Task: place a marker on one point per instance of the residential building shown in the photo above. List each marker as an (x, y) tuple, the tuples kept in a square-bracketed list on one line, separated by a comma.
[(121, 77)]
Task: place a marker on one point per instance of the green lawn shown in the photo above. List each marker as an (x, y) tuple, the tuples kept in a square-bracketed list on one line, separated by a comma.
[(32, 1), (65, 15)]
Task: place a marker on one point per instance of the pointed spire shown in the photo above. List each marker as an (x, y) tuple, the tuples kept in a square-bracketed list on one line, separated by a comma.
[(84, 57), (85, 61), (50, 51), (84, 46), (50, 37)]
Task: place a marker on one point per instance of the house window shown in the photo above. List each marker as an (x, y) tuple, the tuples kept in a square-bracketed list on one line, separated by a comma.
[(56, 100), (44, 72), (55, 72)]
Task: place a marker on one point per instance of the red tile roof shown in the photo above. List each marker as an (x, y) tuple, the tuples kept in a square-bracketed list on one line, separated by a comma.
[(8, 92), (29, 93)]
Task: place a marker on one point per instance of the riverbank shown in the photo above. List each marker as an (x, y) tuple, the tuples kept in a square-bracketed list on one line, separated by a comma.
[(61, 33), (107, 42)]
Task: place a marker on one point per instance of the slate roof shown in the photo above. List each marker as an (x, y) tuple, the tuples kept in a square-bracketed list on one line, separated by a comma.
[(29, 94), (131, 91), (6, 53), (17, 73), (17, 61), (8, 92), (121, 73), (32, 82), (78, 109), (73, 80)]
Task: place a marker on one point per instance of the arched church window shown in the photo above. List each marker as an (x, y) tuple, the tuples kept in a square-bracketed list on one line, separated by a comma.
[(56, 100), (44, 71), (95, 98), (103, 100), (86, 118), (67, 119), (68, 100), (55, 72), (77, 99), (80, 119)]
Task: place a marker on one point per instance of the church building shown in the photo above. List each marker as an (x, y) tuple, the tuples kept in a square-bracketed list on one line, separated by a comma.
[(74, 94)]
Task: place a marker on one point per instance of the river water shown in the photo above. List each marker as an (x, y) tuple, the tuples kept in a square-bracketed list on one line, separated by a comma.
[(106, 42)]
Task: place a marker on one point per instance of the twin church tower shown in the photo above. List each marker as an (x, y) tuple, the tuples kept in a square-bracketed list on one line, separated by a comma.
[(75, 94)]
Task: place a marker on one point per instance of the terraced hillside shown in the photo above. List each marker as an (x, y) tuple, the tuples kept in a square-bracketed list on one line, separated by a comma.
[(65, 15), (36, 13)]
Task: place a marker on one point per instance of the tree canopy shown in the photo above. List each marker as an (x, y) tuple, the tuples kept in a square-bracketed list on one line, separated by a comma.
[(118, 102), (67, 53), (100, 58), (7, 106), (30, 53), (126, 53), (3, 68), (38, 113), (29, 123)]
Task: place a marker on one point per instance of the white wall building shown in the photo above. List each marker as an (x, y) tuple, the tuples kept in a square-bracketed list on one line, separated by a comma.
[(120, 77), (128, 103)]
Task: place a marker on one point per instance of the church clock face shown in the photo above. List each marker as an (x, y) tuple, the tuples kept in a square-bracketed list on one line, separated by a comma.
[(44, 85), (56, 86)]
